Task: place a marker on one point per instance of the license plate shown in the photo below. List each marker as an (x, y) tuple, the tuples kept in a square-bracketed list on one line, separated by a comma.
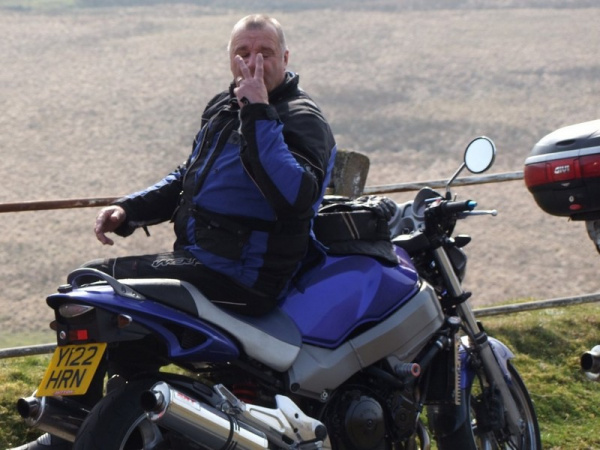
[(71, 369)]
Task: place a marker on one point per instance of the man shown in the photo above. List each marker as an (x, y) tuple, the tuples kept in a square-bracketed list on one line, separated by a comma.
[(242, 204)]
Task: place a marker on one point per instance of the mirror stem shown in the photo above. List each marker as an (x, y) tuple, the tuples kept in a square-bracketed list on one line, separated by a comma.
[(462, 166)]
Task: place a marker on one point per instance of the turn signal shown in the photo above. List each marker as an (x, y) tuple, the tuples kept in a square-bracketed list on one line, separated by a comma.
[(123, 320)]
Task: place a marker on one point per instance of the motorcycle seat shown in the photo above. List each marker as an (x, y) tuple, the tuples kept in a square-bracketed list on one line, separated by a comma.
[(272, 339)]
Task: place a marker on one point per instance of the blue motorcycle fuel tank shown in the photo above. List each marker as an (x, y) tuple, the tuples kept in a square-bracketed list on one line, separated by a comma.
[(347, 292)]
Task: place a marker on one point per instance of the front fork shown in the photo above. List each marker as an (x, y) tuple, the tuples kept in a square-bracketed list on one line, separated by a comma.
[(494, 375)]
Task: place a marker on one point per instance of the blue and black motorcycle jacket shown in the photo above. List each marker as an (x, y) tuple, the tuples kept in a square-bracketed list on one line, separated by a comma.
[(244, 201)]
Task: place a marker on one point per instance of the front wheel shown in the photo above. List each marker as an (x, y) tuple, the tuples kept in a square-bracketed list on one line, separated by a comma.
[(118, 422), (482, 425)]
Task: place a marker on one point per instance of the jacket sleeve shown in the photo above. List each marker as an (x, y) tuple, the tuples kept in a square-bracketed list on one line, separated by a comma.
[(288, 155), (158, 203), (153, 205)]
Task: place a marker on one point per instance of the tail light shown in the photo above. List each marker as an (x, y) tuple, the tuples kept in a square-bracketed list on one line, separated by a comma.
[(590, 166), (559, 170), (562, 170), (71, 310), (79, 317)]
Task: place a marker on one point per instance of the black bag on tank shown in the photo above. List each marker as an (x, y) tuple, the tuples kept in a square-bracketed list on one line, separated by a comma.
[(356, 226)]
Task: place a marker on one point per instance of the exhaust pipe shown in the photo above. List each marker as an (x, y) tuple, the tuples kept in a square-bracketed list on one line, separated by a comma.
[(54, 415), (198, 421), (590, 363)]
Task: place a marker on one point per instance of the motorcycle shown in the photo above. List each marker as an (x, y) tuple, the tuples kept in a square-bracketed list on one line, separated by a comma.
[(559, 174), (367, 356)]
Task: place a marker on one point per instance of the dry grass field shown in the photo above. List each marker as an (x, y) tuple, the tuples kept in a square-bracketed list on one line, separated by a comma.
[(103, 101)]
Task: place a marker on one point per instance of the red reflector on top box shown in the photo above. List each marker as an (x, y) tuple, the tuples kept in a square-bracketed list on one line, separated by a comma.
[(563, 171)]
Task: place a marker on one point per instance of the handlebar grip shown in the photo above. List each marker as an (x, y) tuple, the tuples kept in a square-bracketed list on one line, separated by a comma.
[(458, 207)]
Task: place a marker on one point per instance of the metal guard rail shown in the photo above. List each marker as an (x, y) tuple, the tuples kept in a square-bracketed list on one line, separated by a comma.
[(368, 190)]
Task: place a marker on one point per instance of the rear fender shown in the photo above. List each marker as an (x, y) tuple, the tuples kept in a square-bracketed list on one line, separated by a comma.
[(186, 338)]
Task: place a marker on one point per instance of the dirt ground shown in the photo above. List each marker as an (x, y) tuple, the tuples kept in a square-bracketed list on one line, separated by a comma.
[(100, 102)]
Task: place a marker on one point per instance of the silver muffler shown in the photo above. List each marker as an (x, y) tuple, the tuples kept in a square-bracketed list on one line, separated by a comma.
[(590, 363), (198, 421), (53, 415)]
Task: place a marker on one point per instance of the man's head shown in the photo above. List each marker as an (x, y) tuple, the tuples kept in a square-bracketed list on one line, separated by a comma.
[(259, 34)]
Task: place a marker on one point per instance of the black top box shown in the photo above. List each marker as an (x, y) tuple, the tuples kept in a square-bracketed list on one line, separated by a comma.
[(563, 172)]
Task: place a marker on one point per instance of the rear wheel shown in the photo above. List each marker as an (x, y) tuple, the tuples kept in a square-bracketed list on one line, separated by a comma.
[(118, 422), (483, 426)]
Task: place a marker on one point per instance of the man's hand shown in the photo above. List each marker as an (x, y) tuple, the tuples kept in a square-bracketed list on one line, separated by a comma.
[(251, 88), (108, 220)]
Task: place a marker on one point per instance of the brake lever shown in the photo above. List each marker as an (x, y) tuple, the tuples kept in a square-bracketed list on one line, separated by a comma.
[(479, 212)]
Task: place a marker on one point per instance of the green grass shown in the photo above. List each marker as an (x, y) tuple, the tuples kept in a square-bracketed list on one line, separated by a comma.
[(18, 377), (547, 343), (37, 337)]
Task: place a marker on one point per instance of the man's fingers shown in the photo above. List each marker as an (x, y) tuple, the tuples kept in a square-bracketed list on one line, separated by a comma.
[(100, 220), (243, 67), (259, 69), (100, 228), (104, 239), (251, 86)]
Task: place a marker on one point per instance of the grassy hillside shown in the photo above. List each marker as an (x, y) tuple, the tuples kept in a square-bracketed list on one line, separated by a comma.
[(547, 344)]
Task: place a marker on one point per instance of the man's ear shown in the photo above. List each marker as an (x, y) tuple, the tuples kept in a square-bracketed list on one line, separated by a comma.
[(286, 57)]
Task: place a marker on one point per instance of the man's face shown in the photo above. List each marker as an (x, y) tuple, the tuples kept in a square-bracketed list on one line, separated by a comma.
[(249, 43)]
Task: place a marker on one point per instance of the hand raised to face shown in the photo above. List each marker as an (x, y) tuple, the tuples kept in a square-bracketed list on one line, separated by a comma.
[(251, 88)]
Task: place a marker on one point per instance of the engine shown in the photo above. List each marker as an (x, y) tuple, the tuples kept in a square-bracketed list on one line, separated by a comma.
[(359, 418)]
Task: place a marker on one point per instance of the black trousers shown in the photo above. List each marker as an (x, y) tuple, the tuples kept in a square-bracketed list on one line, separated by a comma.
[(182, 265)]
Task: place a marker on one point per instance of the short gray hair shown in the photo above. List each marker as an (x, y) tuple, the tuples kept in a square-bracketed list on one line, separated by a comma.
[(259, 22)]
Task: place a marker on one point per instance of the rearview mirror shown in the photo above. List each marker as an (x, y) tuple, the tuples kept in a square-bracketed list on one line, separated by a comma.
[(480, 155)]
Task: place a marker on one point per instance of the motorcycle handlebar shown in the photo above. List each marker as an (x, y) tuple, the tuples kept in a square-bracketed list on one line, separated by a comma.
[(409, 216)]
